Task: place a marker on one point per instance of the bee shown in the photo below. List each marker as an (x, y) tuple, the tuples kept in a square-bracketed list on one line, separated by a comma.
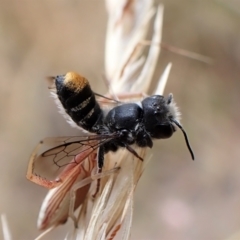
[(73, 159)]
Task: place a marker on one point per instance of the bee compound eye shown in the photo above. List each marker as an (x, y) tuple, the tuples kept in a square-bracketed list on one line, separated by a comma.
[(163, 131)]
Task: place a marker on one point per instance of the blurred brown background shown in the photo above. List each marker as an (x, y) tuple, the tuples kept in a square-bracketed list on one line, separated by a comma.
[(176, 198)]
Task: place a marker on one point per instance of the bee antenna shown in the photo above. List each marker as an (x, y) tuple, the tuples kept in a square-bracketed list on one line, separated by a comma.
[(185, 136)]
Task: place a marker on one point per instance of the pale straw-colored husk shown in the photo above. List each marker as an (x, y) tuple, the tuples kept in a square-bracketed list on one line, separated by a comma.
[(129, 72), (109, 216), (5, 228)]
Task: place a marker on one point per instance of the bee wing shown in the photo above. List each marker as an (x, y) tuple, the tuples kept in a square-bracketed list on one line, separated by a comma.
[(54, 157), (108, 102)]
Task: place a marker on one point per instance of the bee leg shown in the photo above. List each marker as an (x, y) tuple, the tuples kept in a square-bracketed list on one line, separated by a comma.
[(98, 184), (131, 150), (100, 159)]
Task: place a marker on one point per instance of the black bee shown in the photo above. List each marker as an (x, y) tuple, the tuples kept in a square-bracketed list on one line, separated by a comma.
[(139, 123), (155, 117)]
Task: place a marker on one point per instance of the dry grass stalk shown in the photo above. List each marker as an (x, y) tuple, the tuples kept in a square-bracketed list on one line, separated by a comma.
[(109, 215), (5, 228)]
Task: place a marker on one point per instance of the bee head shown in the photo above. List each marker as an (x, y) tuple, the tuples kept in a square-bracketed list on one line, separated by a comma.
[(157, 114), (161, 118)]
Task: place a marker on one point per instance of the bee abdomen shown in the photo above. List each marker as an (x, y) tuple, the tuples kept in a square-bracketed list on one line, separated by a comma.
[(78, 99)]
